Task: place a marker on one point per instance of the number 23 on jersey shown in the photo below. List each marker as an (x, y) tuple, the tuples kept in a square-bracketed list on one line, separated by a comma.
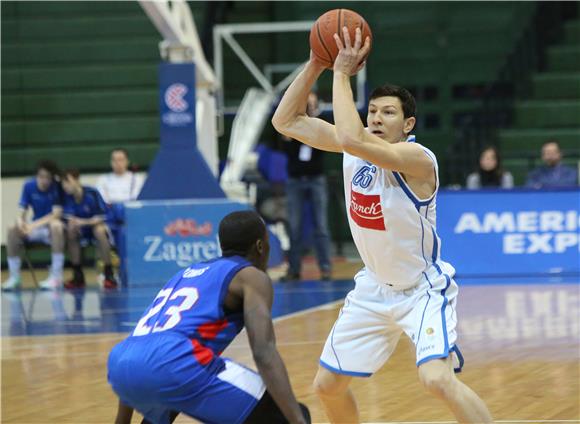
[(154, 321)]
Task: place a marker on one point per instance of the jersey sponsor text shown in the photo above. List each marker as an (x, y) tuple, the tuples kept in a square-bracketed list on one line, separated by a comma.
[(366, 210)]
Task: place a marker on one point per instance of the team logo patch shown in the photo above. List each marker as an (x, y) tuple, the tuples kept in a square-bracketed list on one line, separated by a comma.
[(366, 210), (174, 97)]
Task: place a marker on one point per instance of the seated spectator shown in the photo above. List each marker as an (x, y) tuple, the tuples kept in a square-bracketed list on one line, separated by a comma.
[(86, 214), (490, 172), (553, 173), (120, 185), (43, 195)]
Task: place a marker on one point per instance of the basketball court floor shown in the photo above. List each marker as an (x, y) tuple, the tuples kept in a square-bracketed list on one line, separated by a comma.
[(520, 339)]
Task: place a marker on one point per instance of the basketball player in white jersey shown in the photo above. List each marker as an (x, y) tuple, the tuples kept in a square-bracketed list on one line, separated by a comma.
[(390, 185)]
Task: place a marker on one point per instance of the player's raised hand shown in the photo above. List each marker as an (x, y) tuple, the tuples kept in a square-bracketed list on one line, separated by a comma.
[(351, 57)]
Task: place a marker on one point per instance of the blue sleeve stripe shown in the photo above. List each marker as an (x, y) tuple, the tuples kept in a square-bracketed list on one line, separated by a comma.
[(435, 253), (418, 203), (423, 241)]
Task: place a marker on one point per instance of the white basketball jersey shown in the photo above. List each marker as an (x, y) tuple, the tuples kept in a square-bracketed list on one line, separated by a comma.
[(394, 230)]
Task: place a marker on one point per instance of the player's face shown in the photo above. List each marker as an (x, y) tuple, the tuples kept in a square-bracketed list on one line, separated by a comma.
[(386, 119), (69, 184), (119, 162), (43, 179), (551, 154)]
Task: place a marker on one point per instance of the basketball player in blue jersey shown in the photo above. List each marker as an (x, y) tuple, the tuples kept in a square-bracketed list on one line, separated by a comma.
[(86, 216), (171, 362), (390, 184), (43, 195)]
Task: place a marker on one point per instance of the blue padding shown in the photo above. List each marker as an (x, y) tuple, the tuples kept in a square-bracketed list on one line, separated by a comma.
[(180, 173)]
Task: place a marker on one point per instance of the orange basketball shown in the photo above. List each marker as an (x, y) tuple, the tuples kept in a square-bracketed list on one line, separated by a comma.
[(322, 33)]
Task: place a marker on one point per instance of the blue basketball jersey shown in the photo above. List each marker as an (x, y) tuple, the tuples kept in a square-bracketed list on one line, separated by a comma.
[(91, 204), (191, 305), (41, 202)]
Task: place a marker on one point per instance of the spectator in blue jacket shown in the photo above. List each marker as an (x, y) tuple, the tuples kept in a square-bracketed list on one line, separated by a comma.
[(86, 217), (553, 173), (42, 195)]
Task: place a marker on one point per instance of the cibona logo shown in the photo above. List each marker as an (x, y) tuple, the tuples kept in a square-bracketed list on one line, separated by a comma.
[(174, 97)]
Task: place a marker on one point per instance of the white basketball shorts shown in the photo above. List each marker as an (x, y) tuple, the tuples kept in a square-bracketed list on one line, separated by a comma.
[(375, 315), (40, 235)]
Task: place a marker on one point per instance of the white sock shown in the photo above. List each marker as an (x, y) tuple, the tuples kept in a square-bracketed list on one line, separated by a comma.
[(57, 265), (14, 263)]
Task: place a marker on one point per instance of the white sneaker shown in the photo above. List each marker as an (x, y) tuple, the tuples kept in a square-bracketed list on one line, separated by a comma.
[(51, 283), (13, 283)]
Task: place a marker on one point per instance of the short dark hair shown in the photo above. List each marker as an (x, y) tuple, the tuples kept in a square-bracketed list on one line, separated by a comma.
[(406, 98), (73, 172), (122, 150), (239, 231), (48, 165)]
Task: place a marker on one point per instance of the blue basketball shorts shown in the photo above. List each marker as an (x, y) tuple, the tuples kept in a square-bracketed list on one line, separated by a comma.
[(158, 374)]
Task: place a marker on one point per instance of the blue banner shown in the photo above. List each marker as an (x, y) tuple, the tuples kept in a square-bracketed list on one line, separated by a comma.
[(161, 237), (164, 236), (516, 232)]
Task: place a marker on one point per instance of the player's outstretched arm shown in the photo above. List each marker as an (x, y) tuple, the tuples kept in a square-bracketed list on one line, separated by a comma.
[(258, 294), (290, 117), (354, 139)]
